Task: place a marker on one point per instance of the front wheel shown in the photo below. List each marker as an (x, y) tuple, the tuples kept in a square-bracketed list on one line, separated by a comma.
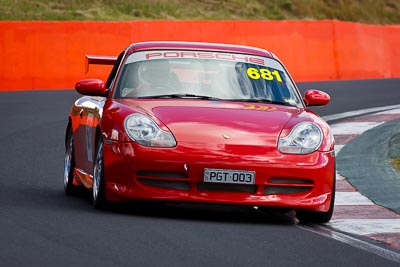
[(306, 216), (69, 165), (98, 190)]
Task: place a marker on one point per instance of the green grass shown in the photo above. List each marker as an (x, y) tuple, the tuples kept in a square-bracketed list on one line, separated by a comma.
[(365, 11)]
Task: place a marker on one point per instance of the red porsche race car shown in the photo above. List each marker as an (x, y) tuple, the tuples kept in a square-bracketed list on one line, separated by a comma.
[(200, 122)]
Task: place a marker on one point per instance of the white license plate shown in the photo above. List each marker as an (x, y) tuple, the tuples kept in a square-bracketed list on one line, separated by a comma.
[(228, 176)]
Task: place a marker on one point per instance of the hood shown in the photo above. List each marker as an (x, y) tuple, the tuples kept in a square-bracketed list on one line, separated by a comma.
[(219, 122)]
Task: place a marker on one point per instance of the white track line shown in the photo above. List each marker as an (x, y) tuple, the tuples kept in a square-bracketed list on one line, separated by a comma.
[(339, 176), (366, 226), (353, 241), (390, 112), (338, 148), (358, 113), (345, 128), (351, 198)]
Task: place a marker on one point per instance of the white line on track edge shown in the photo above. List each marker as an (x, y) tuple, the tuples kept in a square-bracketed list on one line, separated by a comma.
[(357, 113), (352, 241)]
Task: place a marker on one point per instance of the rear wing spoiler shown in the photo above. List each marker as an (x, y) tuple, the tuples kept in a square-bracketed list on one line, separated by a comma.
[(99, 60)]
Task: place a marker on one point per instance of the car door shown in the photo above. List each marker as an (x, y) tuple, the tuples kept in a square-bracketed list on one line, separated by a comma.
[(86, 107), (90, 110)]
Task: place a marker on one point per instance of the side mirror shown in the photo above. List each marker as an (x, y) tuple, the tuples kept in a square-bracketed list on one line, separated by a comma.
[(92, 87), (316, 98)]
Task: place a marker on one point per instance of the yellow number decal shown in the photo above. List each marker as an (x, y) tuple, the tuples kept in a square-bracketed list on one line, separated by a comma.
[(266, 74), (253, 73), (277, 75)]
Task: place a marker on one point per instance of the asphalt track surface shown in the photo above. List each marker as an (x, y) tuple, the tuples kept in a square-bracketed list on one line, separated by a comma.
[(40, 226)]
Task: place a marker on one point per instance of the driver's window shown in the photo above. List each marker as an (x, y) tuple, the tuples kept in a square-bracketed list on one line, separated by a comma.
[(111, 76)]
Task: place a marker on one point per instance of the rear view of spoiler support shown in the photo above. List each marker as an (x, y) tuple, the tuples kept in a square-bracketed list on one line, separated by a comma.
[(99, 60)]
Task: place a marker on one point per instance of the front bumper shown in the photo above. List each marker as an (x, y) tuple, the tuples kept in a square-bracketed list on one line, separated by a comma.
[(134, 172)]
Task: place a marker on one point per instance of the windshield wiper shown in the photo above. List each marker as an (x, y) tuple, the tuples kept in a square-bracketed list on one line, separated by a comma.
[(262, 100), (203, 97)]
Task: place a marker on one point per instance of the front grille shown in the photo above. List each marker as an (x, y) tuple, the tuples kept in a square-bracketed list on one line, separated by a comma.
[(177, 185), (179, 181), (237, 188), (284, 185), (273, 190), (161, 174), (302, 181)]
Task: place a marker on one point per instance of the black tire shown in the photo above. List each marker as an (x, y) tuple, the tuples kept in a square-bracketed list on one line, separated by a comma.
[(99, 199), (69, 165), (306, 216)]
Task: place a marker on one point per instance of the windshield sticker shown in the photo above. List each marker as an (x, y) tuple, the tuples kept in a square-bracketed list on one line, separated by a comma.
[(206, 55), (201, 55), (266, 74)]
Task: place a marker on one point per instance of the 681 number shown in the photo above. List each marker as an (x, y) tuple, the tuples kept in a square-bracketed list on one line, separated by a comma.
[(266, 74)]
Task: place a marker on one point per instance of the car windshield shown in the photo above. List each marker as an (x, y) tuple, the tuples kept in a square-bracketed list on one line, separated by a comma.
[(205, 75)]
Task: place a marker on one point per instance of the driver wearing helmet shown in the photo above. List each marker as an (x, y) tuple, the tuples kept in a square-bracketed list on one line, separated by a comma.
[(154, 77)]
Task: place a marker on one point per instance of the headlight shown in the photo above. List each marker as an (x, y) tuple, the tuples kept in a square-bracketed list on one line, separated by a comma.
[(145, 131), (305, 137)]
